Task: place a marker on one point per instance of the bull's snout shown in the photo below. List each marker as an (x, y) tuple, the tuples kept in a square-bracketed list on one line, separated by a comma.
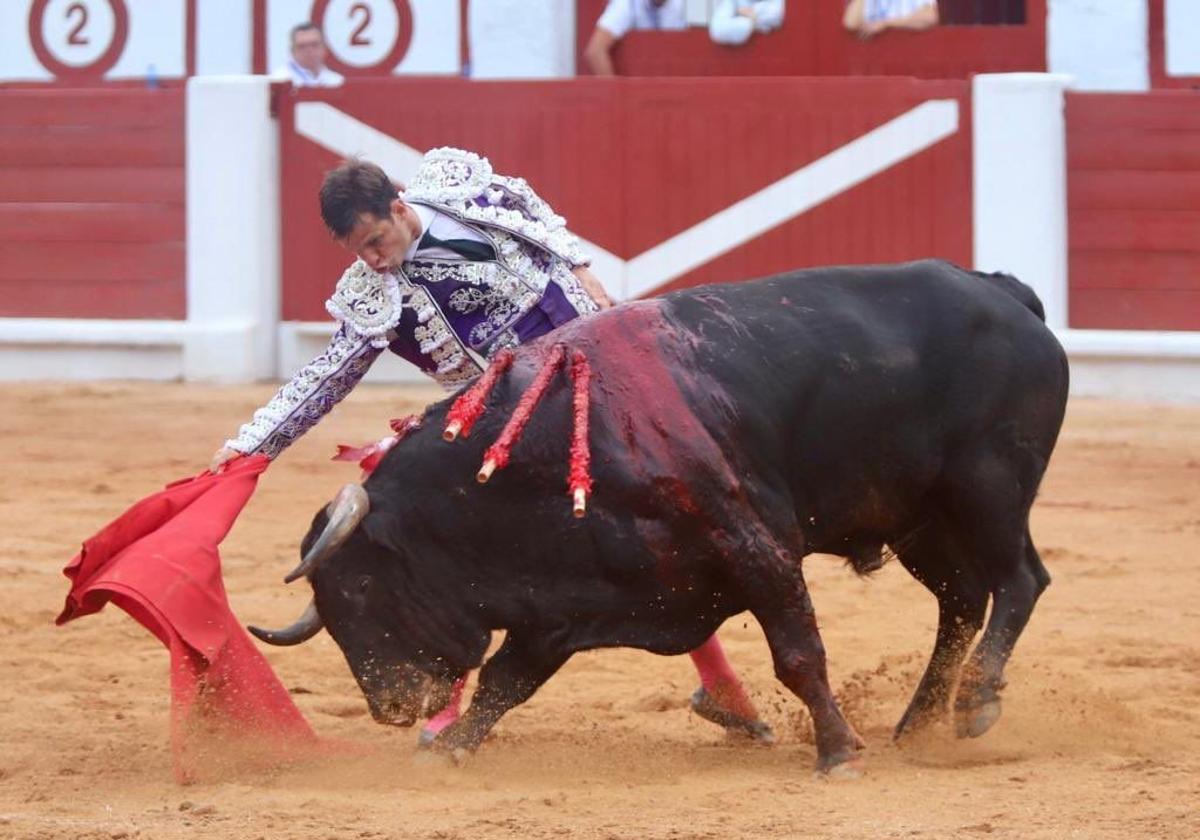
[(394, 712), (396, 696)]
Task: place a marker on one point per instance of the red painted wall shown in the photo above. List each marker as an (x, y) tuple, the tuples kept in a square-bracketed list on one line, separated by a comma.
[(631, 162), (92, 203), (1134, 210), (813, 43)]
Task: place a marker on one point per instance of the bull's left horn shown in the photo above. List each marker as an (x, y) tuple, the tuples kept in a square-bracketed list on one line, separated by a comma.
[(305, 627), (349, 508)]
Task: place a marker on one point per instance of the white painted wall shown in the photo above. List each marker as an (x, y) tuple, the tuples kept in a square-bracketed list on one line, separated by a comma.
[(514, 39), (433, 49), (155, 37), (1182, 24), (1020, 197), (224, 37), (1102, 43)]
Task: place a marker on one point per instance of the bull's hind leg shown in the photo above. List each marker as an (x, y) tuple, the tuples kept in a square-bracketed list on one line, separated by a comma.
[(790, 625), (521, 665), (935, 557), (1015, 590)]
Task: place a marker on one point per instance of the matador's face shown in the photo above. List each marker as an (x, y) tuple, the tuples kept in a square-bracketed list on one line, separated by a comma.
[(382, 242)]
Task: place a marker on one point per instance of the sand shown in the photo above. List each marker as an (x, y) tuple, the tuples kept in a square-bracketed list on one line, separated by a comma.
[(1100, 735)]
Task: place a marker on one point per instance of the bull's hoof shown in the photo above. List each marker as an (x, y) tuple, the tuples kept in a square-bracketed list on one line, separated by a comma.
[(441, 751), (706, 707), (973, 722), (432, 758), (916, 721), (847, 764)]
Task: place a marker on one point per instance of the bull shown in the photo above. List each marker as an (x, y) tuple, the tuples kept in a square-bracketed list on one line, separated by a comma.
[(734, 429)]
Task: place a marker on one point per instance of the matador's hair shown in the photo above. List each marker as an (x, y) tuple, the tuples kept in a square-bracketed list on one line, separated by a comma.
[(354, 188)]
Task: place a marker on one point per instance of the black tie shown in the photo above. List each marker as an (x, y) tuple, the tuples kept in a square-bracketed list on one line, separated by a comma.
[(466, 248)]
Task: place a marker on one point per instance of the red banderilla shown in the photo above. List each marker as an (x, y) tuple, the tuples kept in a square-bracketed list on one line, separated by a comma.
[(470, 406)]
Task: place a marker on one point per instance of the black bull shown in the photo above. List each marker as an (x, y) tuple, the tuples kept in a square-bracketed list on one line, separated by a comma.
[(734, 429)]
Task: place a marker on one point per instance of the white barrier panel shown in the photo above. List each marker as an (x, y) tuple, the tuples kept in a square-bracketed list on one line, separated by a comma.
[(232, 229), (40, 349), (1020, 202), (1134, 364)]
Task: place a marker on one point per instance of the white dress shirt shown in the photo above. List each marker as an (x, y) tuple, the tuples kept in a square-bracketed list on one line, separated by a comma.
[(301, 77), (728, 27), (620, 16), (877, 10), (443, 227)]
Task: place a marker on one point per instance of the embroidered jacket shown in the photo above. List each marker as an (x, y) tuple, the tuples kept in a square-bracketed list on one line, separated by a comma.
[(448, 317)]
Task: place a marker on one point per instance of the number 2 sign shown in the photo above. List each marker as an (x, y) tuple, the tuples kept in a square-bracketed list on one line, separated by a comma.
[(78, 39), (364, 37)]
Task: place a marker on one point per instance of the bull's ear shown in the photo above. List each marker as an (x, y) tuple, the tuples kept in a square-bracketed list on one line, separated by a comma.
[(349, 508), (304, 628)]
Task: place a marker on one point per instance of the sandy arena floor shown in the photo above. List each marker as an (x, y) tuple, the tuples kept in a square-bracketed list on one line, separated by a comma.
[(1100, 735)]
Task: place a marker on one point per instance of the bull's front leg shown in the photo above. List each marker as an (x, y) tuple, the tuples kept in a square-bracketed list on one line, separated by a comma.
[(790, 625), (525, 661)]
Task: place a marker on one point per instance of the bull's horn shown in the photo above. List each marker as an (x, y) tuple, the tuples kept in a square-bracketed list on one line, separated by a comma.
[(349, 508), (307, 625)]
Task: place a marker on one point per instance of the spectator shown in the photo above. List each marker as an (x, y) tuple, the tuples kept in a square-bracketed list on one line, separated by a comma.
[(869, 18), (306, 67), (619, 17), (734, 21)]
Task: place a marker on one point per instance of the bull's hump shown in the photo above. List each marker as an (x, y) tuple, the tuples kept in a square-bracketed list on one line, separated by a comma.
[(646, 375)]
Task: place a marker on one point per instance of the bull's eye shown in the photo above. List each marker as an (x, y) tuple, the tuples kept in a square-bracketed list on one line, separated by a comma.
[(364, 583)]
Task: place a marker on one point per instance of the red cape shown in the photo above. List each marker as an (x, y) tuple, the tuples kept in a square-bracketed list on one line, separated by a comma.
[(158, 561)]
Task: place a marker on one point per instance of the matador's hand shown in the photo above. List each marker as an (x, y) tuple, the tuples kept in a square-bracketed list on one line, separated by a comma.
[(222, 457)]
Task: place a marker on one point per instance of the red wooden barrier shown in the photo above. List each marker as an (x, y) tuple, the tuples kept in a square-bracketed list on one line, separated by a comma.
[(91, 203), (813, 43), (1134, 210), (633, 162)]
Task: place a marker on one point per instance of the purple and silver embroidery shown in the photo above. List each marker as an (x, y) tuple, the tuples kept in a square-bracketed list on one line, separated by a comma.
[(310, 395), (368, 301)]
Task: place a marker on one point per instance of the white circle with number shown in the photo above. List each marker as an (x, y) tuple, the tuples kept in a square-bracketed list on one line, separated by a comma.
[(361, 33), (78, 32)]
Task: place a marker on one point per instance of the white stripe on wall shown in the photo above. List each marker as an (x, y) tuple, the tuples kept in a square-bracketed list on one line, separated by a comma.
[(862, 158)]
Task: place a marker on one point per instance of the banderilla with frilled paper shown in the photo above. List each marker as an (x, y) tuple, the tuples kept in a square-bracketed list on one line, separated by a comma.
[(468, 408)]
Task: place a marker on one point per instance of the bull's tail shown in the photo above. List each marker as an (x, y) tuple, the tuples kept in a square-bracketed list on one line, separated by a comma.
[(1016, 289)]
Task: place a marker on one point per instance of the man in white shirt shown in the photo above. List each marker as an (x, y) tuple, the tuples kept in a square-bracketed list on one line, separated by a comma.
[(868, 18), (734, 21), (619, 17), (306, 67)]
